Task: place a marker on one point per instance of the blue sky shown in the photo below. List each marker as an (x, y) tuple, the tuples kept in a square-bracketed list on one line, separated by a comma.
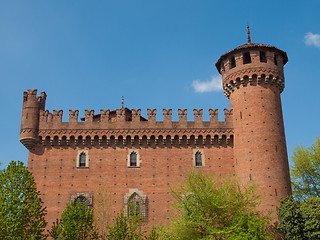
[(87, 54)]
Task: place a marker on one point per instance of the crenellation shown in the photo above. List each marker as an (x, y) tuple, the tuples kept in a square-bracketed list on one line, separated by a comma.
[(136, 114), (89, 115), (43, 117), (73, 115), (152, 115), (57, 116), (104, 115), (213, 116), (182, 113), (198, 116)]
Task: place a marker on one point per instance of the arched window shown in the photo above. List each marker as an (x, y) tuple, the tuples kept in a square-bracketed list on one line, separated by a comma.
[(79, 199), (82, 197), (82, 160), (134, 205), (198, 159), (133, 159)]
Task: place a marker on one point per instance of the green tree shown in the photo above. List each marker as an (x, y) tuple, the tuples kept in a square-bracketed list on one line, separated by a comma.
[(21, 213), (209, 207), (77, 222), (300, 220), (305, 173), (125, 228)]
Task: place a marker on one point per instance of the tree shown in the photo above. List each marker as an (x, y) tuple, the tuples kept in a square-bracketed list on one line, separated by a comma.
[(305, 173), (300, 220), (21, 213), (77, 222), (209, 207)]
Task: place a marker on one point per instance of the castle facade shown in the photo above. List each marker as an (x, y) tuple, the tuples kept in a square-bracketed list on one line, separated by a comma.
[(136, 158)]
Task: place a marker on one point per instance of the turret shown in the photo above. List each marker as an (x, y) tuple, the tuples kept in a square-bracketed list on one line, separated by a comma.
[(30, 117), (253, 79)]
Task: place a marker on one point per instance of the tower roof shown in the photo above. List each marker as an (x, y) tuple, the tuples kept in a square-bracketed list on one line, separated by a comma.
[(251, 46)]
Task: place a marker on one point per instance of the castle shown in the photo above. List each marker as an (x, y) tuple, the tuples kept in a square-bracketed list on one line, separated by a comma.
[(137, 157)]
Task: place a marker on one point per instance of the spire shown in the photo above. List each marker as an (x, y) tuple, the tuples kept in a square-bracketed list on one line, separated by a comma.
[(248, 30), (122, 101)]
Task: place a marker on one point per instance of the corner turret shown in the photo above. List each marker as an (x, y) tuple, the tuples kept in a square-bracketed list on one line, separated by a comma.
[(30, 117), (253, 79)]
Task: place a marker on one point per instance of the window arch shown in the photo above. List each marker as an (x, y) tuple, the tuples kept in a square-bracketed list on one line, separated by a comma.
[(83, 197), (83, 159), (198, 158), (135, 204)]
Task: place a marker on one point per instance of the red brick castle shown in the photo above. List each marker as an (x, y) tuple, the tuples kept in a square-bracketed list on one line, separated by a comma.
[(137, 157)]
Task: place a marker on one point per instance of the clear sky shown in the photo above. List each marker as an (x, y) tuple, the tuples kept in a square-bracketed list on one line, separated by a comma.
[(157, 54)]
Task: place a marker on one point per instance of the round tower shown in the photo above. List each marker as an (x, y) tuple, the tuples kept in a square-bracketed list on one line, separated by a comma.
[(253, 79), (30, 117)]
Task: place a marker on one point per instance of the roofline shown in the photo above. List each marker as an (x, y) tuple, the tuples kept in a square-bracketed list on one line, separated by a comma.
[(251, 46)]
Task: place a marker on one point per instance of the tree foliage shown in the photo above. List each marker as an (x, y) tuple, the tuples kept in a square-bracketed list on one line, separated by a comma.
[(77, 222), (21, 213), (305, 173), (300, 220), (215, 208)]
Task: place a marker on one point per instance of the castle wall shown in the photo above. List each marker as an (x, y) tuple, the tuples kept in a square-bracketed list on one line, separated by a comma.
[(58, 178)]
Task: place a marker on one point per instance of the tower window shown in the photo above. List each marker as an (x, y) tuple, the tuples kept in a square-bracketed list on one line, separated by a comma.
[(275, 59), (263, 57), (83, 159), (133, 159), (198, 159), (232, 62), (246, 58)]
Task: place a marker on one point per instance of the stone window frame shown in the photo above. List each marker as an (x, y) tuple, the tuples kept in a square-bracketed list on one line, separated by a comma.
[(143, 203), (87, 158), (202, 158), (86, 195), (138, 159)]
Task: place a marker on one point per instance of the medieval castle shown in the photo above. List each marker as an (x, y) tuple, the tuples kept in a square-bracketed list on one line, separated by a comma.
[(137, 157)]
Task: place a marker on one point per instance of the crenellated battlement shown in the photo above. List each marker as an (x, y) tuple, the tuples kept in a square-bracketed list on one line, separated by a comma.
[(131, 118), (125, 125)]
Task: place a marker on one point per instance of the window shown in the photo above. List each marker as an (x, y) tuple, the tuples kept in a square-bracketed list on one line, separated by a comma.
[(83, 197), (83, 159), (198, 159), (135, 204), (79, 199), (246, 58), (232, 62), (133, 159), (275, 59), (263, 57)]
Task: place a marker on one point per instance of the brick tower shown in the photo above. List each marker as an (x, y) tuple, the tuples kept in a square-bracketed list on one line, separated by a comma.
[(253, 79)]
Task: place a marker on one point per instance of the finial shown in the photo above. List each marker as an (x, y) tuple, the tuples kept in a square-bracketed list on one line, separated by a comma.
[(122, 101), (249, 38)]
